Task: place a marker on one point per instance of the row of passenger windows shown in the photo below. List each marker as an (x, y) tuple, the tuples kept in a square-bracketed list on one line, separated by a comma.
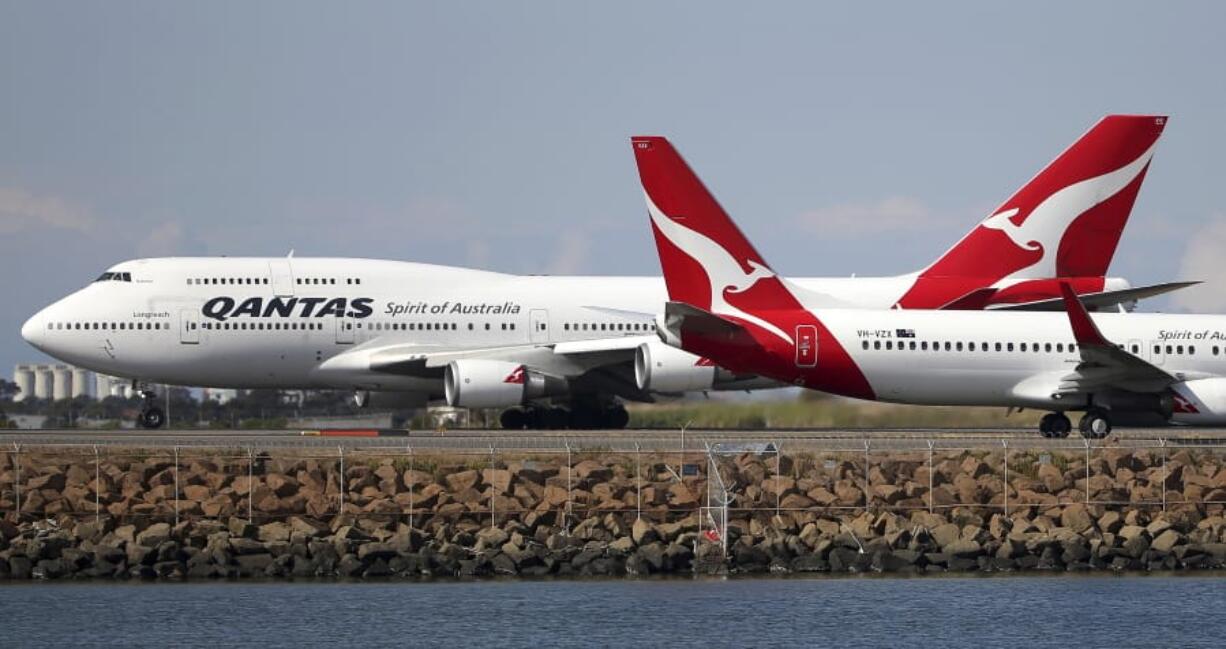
[(253, 281), (108, 326), (260, 326), (428, 326), (608, 326), (1059, 348)]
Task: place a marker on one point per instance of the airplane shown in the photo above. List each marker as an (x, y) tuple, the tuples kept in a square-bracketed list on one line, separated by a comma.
[(553, 352), (727, 304)]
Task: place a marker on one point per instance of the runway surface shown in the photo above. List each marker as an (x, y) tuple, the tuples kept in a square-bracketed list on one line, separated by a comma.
[(847, 440)]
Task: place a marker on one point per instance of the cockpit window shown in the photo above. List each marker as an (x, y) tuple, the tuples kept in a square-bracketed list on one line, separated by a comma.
[(114, 277)]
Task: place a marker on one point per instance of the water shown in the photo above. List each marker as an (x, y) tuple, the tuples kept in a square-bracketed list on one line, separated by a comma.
[(979, 612)]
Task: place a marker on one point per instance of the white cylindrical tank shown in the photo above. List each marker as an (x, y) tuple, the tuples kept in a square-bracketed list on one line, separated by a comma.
[(102, 386), (23, 376), (82, 383), (61, 386), (42, 381), (118, 389)]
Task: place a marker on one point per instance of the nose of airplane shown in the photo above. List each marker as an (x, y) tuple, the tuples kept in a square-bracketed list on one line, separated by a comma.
[(33, 330)]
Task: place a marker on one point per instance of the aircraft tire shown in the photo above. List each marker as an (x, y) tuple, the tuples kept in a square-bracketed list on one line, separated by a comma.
[(514, 418), (152, 418)]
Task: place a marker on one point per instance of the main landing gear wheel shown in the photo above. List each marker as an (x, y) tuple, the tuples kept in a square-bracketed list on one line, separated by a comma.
[(514, 419), (1095, 424), (152, 418), (1055, 425)]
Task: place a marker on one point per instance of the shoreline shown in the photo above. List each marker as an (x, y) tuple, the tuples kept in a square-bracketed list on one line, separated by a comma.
[(212, 514)]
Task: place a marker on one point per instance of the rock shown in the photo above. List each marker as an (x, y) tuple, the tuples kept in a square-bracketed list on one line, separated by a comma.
[(154, 535), (946, 534), (590, 470), (241, 545), (624, 545), (275, 531), (1129, 532), (1076, 518), (643, 533), (462, 481), (368, 552), (240, 527), (491, 537), (1135, 547), (1167, 540), (498, 479), (962, 548)]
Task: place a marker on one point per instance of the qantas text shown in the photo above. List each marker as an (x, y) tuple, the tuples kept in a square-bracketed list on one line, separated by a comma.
[(222, 308)]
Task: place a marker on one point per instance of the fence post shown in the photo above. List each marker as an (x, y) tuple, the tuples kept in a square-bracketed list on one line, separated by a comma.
[(1162, 443), (97, 486), (340, 450), (569, 473), (1087, 443), (492, 490), (250, 481), (1005, 443), (638, 481), (931, 468), (177, 486), (17, 479), (778, 476), (866, 481), (409, 447)]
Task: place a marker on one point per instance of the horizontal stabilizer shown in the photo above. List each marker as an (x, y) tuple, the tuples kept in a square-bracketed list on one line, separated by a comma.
[(1099, 301)]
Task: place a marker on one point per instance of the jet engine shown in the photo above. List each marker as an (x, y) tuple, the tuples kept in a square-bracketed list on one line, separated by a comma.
[(481, 383), (661, 368)]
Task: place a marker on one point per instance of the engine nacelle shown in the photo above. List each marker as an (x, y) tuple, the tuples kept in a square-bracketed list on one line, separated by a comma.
[(481, 383), (661, 368), (1200, 401)]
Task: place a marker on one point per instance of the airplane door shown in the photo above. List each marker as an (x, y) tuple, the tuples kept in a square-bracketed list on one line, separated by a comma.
[(189, 326), (282, 277), (344, 331), (539, 325), (1157, 353), (806, 346)]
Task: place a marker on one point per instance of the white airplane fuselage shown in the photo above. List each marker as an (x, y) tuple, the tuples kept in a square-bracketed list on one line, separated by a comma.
[(276, 322)]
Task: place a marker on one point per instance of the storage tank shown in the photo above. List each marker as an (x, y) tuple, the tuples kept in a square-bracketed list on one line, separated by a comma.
[(82, 383), (42, 381), (23, 376), (61, 386), (102, 386)]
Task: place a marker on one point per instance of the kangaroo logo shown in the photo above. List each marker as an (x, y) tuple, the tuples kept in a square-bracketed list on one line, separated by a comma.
[(722, 269), (1045, 225)]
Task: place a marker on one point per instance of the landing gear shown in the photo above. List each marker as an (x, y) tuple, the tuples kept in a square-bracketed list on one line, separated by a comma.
[(151, 416), (1095, 424), (579, 416), (1055, 425)]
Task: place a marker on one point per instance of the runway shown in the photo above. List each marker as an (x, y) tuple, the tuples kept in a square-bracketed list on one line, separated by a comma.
[(858, 439)]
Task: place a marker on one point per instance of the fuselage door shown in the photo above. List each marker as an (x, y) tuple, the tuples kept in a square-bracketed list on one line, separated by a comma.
[(806, 346), (539, 325), (189, 326), (344, 331), (282, 277)]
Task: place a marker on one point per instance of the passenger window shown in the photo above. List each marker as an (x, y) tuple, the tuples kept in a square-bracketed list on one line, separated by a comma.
[(876, 344), (1191, 350), (924, 346), (1047, 347), (970, 347), (1157, 349), (1009, 347), (946, 346), (959, 346), (1179, 349), (912, 345), (1022, 347), (1168, 349), (864, 344)]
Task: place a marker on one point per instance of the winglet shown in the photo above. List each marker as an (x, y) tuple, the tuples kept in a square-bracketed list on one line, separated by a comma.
[(1084, 330)]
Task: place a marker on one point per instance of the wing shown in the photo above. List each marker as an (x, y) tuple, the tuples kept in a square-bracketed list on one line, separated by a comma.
[(1103, 363), (1103, 300), (601, 365)]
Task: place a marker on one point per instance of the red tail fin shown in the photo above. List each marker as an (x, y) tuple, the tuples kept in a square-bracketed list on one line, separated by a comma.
[(700, 247), (1065, 222)]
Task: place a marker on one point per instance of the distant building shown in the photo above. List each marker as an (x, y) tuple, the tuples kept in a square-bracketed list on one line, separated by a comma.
[(60, 381), (219, 395)]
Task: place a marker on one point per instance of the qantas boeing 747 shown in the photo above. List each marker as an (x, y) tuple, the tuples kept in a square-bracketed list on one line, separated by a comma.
[(553, 351)]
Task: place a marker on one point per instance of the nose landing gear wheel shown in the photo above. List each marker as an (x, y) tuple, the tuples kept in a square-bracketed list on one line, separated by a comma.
[(152, 418)]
